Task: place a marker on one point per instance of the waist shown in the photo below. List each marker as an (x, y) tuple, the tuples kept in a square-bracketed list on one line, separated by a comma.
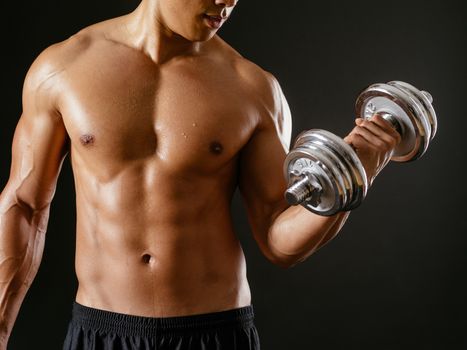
[(163, 279), (131, 325)]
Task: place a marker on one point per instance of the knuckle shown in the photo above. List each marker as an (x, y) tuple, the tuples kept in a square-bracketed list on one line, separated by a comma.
[(353, 130), (357, 127), (389, 146), (380, 143), (360, 138), (393, 132), (357, 132), (358, 141), (366, 123)]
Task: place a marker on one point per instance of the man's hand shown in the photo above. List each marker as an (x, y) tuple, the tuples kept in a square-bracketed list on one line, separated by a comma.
[(374, 141)]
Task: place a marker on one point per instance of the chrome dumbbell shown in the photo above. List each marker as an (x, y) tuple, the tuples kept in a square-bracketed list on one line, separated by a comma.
[(324, 173)]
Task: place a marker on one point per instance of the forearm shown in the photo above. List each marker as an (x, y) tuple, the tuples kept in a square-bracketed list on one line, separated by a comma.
[(22, 235), (297, 233)]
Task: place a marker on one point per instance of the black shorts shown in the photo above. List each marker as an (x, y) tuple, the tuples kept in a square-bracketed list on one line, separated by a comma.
[(92, 329)]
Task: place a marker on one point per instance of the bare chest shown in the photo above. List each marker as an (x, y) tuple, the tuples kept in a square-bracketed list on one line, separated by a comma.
[(194, 116)]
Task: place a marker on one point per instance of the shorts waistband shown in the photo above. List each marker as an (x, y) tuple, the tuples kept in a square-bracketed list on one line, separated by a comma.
[(109, 321)]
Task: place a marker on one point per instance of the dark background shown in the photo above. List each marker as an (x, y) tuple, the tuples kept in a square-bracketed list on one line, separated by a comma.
[(395, 278)]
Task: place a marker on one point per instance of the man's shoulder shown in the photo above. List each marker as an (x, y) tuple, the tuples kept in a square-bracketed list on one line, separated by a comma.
[(248, 70), (260, 83), (58, 57), (263, 85)]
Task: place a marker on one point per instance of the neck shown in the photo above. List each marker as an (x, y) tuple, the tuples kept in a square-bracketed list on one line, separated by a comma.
[(150, 35)]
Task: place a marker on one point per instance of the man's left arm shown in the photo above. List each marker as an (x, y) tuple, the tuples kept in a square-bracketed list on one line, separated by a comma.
[(287, 234)]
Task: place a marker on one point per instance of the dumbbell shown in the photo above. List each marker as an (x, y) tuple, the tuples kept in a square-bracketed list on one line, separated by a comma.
[(324, 173)]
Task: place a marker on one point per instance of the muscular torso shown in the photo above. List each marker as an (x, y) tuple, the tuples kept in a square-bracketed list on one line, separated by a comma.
[(155, 151)]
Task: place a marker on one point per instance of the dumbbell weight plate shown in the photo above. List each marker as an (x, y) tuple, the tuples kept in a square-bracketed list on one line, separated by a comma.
[(334, 164), (310, 161), (425, 99), (320, 142), (353, 167), (422, 123), (412, 110)]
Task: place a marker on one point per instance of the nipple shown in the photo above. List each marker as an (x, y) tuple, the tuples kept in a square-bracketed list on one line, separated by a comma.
[(87, 139), (216, 147)]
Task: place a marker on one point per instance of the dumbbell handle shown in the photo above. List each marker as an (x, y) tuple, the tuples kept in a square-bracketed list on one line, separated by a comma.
[(393, 121), (300, 191)]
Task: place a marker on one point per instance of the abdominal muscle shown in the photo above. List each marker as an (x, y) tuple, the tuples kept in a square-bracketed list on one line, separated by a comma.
[(156, 251)]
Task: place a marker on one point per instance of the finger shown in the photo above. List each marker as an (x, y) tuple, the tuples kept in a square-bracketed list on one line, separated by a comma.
[(357, 141), (373, 140), (386, 126), (385, 132)]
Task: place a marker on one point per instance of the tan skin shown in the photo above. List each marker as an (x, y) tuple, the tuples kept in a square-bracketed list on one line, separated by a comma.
[(162, 121)]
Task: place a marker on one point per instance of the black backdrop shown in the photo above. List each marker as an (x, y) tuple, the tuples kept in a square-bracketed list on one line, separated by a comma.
[(395, 278)]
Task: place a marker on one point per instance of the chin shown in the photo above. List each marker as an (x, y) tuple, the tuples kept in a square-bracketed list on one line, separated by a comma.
[(200, 37), (197, 33), (206, 37)]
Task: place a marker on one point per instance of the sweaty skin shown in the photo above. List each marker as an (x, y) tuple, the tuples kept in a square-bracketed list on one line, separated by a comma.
[(160, 131)]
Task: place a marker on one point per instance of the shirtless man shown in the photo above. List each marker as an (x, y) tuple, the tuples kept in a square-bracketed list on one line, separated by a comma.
[(162, 120)]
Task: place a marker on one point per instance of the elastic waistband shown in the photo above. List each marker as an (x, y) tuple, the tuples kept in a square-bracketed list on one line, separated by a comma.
[(113, 322)]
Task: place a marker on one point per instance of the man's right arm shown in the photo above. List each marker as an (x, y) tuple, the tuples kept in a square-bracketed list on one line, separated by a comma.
[(39, 148)]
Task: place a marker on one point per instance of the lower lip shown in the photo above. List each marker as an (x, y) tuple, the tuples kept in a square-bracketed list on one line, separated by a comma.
[(213, 23)]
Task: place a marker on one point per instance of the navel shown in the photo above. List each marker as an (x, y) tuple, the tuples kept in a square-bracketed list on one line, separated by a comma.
[(146, 259), (216, 147), (87, 139)]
